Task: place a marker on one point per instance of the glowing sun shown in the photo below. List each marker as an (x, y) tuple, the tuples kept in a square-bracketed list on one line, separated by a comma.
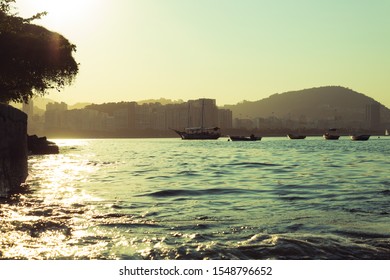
[(61, 14)]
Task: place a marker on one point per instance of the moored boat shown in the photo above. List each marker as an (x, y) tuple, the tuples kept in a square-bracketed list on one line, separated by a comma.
[(245, 138), (362, 137), (330, 135), (295, 136), (199, 133)]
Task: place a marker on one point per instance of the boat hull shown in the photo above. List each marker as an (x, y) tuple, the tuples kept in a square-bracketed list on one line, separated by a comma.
[(244, 138), (198, 136), (360, 137), (331, 136), (295, 137)]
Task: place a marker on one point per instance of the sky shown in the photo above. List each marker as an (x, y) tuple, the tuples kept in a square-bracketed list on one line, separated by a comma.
[(131, 50)]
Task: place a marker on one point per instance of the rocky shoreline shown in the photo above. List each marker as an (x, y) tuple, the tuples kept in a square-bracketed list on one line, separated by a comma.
[(40, 146), (13, 149)]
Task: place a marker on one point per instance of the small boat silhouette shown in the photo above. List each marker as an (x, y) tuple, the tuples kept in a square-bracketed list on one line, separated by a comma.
[(362, 137)]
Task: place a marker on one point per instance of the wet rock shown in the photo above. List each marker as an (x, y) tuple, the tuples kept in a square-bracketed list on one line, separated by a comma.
[(13, 149), (41, 146)]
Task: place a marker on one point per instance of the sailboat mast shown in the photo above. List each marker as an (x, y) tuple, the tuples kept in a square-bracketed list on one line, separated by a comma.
[(188, 115)]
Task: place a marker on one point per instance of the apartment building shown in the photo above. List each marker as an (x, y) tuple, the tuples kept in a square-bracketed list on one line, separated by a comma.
[(132, 116)]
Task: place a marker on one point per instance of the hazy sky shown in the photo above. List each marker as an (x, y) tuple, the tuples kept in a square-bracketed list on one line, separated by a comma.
[(132, 50)]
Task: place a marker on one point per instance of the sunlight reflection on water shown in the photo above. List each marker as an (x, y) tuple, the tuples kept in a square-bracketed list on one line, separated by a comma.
[(167, 199)]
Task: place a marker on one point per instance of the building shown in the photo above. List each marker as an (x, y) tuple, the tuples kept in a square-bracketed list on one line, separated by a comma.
[(202, 112), (225, 118), (243, 123), (121, 119), (176, 116), (130, 117), (86, 120), (55, 115)]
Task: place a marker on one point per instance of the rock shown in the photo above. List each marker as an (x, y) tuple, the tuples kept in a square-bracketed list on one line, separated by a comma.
[(13, 149), (41, 146)]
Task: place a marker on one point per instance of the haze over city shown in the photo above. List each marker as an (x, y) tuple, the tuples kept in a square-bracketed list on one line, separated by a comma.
[(132, 50)]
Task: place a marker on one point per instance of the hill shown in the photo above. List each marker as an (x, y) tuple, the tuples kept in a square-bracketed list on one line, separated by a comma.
[(331, 102), (162, 101), (80, 105)]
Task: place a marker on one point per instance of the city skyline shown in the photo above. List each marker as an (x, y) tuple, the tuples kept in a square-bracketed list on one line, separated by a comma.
[(231, 51), (130, 119)]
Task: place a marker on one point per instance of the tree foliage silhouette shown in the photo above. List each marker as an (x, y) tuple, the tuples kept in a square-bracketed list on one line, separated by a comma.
[(33, 60)]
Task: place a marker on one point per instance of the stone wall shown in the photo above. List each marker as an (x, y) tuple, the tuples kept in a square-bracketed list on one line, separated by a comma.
[(13, 149)]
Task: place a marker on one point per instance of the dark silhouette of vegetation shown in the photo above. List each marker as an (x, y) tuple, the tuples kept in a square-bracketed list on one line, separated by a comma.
[(33, 60)]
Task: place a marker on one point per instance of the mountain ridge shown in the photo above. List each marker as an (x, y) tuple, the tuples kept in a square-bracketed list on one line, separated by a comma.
[(314, 103)]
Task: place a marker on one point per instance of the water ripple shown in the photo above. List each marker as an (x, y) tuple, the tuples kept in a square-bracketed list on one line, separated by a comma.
[(173, 199)]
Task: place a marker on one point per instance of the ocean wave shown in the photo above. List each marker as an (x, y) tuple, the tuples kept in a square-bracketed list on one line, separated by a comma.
[(252, 164), (195, 193), (274, 246)]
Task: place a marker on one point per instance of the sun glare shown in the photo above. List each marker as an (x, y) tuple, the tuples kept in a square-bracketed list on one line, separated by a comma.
[(62, 15)]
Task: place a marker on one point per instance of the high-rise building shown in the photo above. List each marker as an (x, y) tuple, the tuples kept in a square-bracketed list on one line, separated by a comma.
[(55, 115), (121, 118), (202, 112), (176, 116), (225, 118)]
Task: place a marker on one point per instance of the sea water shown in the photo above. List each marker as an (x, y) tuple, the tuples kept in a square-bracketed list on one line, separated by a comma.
[(194, 200)]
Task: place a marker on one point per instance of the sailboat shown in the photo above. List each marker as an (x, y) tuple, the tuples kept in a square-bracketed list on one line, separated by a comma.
[(387, 132), (199, 133)]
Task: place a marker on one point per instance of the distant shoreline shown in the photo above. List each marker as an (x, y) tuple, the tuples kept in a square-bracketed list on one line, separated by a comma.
[(170, 134)]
